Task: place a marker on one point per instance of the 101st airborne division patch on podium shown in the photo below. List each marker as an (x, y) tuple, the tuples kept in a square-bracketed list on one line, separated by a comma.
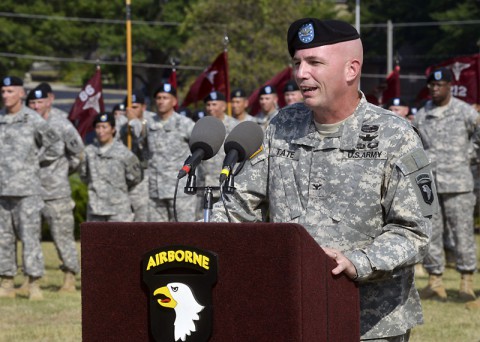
[(180, 280)]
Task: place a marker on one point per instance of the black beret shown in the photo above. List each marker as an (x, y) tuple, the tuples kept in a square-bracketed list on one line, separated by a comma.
[(166, 88), (396, 101), (120, 106), (12, 81), (307, 33), (214, 96), (185, 111), (137, 97), (440, 74), (238, 93), (45, 87), (104, 117), (37, 93), (290, 86), (267, 90), (198, 114)]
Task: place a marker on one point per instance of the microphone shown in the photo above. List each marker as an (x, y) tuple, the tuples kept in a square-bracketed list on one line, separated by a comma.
[(243, 141), (206, 139)]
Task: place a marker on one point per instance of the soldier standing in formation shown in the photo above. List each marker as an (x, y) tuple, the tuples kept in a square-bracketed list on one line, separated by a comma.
[(26, 140), (292, 93), (269, 106), (209, 170), (110, 169), (139, 193), (167, 134), (58, 209), (353, 174), (239, 105), (448, 128)]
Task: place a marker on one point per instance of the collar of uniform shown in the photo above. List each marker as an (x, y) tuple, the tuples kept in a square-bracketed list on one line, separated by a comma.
[(352, 127)]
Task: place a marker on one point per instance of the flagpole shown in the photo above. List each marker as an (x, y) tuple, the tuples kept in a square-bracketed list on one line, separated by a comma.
[(227, 81), (129, 66)]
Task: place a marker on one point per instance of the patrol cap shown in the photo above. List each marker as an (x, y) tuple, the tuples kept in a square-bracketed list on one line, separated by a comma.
[(440, 74), (396, 101), (307, 33), (45, 87), (166, 88), (238, 93), (290, 86), (12, 81), (267, 90), (214, 96), (104, 117), (137, 97)]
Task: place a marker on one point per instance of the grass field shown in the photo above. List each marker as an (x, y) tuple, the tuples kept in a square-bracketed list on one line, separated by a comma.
[(58, 317)]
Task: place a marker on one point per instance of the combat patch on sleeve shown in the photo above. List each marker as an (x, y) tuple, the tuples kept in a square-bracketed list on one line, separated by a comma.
[(415, 166)]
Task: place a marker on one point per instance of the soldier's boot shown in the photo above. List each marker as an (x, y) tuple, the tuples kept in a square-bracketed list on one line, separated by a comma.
[(68, 282), (23, 289), (434, 289), (34, 291), (7, 288), (473, 305), (466, 292)]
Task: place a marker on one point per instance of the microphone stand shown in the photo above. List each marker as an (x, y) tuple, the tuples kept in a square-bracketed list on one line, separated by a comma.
[(191, 189)]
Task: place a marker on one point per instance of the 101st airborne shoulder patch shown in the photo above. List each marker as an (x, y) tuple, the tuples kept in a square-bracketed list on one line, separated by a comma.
[(424, 183), (180, 281)]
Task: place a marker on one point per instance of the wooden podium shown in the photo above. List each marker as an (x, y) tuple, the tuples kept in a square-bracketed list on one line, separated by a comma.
[(274, 282)]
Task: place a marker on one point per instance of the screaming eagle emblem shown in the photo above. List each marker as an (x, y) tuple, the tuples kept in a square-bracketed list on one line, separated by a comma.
[(180, 281)]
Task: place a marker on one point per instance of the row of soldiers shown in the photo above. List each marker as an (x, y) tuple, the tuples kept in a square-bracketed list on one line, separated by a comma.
[(41, 148)]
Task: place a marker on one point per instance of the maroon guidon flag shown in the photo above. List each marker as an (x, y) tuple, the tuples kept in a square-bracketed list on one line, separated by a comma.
[(214, 78), (278, 81), (88, 104), (392, 89), (466, 77)]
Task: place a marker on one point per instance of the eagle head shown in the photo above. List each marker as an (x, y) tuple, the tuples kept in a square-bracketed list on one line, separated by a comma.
[(179, 296)]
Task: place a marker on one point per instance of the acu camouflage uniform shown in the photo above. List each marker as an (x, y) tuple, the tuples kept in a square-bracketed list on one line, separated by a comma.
[(110, 172), (139, 193), (58, 209), (25, 141), (264, 119), (167, 143), (366, 190), (448, 134)]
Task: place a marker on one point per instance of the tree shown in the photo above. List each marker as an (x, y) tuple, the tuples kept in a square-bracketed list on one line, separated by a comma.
[(256, 30)]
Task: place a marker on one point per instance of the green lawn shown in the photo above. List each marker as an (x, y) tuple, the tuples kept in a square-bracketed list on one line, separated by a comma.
[(58, 317)]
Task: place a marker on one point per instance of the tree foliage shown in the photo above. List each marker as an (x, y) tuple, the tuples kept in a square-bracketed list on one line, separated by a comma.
[(256, 30)]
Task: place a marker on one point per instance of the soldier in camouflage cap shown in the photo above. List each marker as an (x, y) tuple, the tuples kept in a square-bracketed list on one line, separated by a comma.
[(449, 128), (58, 210), (110, 169), (353, 174), (26, 140)]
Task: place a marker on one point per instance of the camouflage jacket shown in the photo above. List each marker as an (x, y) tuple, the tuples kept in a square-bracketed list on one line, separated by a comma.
[(54, 174), (25, 140), (109, 175), (449, 134), (366, 190), (167, 145)]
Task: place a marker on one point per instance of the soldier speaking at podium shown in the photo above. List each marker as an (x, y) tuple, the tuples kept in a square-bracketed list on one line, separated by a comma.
[(353, 174)]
